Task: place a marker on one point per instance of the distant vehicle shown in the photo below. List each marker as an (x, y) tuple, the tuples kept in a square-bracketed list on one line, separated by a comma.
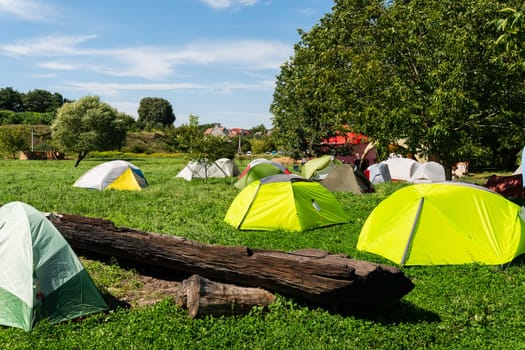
[(249, 153)]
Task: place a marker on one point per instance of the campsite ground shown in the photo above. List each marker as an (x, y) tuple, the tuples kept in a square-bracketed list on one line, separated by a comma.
[(136, 286), (451, 307)]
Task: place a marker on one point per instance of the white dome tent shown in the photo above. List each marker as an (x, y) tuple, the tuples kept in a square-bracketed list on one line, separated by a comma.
[(221, 168), (428, 172), (401, 169)]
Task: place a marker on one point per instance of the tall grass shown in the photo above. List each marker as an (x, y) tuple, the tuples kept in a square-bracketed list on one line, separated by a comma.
[(451, 307)]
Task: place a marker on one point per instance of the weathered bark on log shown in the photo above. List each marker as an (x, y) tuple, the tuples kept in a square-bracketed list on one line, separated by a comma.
[(310, 274), (201, 296)]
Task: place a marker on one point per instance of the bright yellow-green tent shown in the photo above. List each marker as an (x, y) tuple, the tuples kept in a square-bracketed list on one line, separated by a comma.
[(317, 167), (443, 224), (286, 202)]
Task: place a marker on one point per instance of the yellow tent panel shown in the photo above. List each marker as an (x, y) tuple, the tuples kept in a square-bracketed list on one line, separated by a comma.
[(264, 208), (126, 181)]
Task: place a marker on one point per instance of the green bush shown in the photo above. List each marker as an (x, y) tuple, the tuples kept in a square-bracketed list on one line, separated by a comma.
[(32, 118)]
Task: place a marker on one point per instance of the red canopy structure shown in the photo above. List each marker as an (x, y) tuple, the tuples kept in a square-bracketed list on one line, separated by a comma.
[(347, 138), (355, 143)]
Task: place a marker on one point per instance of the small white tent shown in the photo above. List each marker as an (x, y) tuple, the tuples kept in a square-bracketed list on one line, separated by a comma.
[(428, 172), (401, 169), (115, 175), (223, 167)]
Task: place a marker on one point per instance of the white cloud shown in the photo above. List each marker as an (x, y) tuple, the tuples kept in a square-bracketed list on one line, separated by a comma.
[(47, 46), (58, 66), (114, 89), (248, 2), (224, 4), (148, 62), (255, 54), (44, 76), (28, 10)]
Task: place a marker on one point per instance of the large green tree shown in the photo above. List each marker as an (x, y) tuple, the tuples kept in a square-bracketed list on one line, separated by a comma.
[(86, 125), (155, 113), (326, 80), (448, 98), (412, 70)]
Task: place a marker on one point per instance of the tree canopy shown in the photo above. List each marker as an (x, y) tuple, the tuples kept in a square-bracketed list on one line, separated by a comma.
[(418, 71), (510, 45), (88, 125), (14, 138), (37, 100), (42, 101), (10, 100), (155, 113)]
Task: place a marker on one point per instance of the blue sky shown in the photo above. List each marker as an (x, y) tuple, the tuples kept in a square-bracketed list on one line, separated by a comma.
[(216, 59)]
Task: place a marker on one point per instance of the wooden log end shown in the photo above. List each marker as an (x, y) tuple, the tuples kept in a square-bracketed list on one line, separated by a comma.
[(202, 296)]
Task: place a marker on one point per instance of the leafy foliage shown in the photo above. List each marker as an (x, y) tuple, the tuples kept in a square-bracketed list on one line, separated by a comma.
[(37, 100), (259, 145), (32, 118), (510, 45), (155, 112), (412, 70), (88, 125), (203, 148), (14, 139), (10, 100), (42, 101)]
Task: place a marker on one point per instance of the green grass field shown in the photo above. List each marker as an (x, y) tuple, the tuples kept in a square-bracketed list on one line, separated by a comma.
[(451, 307)]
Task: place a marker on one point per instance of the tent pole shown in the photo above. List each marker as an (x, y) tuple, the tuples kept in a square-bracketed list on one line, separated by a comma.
[(250, 206), (413, 231)]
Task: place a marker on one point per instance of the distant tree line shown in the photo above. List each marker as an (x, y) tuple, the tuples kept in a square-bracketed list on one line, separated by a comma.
[(37, 100), (40, 107), (33, 107), (89, 124)]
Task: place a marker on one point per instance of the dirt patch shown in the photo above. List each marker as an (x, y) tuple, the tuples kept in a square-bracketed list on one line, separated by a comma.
[(149, 290), (130, 285)]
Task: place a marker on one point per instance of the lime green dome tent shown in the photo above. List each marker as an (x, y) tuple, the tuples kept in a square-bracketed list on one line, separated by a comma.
[(41, 277), (319, 167), (444, 223), (285, 202)]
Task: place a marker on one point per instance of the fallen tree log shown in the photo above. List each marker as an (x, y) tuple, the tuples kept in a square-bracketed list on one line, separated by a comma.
[(309, 274), (201, 296)]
